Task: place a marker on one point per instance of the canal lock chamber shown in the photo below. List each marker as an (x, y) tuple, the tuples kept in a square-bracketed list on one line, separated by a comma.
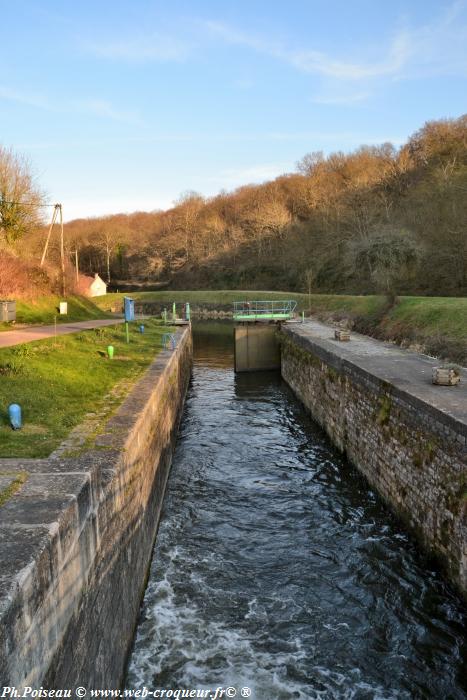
[(277, 567)]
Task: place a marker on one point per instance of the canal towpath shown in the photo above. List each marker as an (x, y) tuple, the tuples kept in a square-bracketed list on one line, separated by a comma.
[(31, 333), (410, 372)]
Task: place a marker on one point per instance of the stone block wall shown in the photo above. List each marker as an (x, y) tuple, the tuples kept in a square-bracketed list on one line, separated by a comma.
[(77, 540), (413, 455)]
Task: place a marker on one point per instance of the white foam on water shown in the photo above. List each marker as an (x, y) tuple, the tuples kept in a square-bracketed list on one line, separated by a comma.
[(204, 653), (176, 639)]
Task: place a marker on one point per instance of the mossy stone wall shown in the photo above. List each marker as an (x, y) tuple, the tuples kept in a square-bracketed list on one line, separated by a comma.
[(416, 459)]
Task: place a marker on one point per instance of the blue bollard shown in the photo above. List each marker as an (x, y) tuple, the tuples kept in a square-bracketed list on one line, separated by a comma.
[(141, 328), (14, 413)]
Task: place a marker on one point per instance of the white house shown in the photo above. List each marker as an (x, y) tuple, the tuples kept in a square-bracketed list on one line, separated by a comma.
[(92, 286)]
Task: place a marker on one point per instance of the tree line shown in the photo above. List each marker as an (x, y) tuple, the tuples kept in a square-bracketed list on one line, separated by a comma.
[(379, 218)]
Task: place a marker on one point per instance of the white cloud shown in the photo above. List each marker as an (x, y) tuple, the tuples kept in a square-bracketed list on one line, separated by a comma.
[(94, 106), (105, 109), (349, 99), (27, 98), (254, 173), (439, 47), (230, 178), (141, 49), (317, 62), (435, 48)]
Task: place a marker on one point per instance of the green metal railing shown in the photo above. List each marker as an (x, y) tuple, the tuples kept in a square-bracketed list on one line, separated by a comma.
[(264, 310), (168, 341)]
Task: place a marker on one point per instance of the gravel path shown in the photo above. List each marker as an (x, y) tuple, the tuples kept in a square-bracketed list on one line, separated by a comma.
[(27, 335)]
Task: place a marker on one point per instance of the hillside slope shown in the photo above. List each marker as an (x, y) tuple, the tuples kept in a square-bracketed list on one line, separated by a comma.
[(305, 229)]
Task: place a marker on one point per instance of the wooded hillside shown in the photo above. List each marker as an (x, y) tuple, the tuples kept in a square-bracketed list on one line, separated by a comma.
[(378, 218)]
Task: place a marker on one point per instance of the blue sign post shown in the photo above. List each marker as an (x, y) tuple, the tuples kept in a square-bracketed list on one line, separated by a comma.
[(129, 311)]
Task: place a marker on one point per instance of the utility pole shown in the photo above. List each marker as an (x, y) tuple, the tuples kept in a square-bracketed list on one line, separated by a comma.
[(62, 252), (54, 218), (57, 217)]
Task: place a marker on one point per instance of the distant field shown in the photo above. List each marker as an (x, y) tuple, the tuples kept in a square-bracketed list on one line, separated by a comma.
[(43, 310), (216, 298), (225, 298), (447, 315), (412, 317), (437, 324), (56, 382)]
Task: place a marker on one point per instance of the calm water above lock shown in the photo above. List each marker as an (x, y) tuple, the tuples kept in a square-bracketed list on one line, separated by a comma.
[(276, 567)]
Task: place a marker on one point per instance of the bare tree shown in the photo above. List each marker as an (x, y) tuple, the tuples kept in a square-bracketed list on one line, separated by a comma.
[(309, 277), (107, 236), (20, 198), (388, 255), (189, 206)]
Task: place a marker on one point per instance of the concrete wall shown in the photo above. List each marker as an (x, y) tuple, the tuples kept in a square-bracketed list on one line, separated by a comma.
[(76, 540), (413, 454)]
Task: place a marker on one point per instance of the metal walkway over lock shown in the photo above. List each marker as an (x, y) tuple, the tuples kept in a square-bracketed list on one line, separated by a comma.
[(251, 311), (255, 339)]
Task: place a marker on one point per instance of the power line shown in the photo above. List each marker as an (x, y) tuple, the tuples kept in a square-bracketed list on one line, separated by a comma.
[(28, 204)]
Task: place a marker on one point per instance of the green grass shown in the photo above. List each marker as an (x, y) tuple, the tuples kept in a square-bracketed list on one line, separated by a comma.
[(57, 382), (431, 315), (368, 306), (41, 311), (218, 298)]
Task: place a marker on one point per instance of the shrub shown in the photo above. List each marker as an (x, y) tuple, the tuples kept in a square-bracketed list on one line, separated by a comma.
[(22, 279)]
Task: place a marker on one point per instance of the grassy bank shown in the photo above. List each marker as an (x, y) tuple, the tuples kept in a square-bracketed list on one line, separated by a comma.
[(429, 316), (437, 325), (213, 298), (43, 310), (57, 382), (434, 325)]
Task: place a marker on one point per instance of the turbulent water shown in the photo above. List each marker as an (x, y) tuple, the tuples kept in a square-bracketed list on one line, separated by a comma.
[(276, 567)]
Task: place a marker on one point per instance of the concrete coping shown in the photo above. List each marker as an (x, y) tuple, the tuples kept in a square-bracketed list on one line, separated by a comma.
[(405, 373)]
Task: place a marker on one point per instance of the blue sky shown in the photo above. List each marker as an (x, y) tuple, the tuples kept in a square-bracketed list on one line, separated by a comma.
[(125, 105)]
